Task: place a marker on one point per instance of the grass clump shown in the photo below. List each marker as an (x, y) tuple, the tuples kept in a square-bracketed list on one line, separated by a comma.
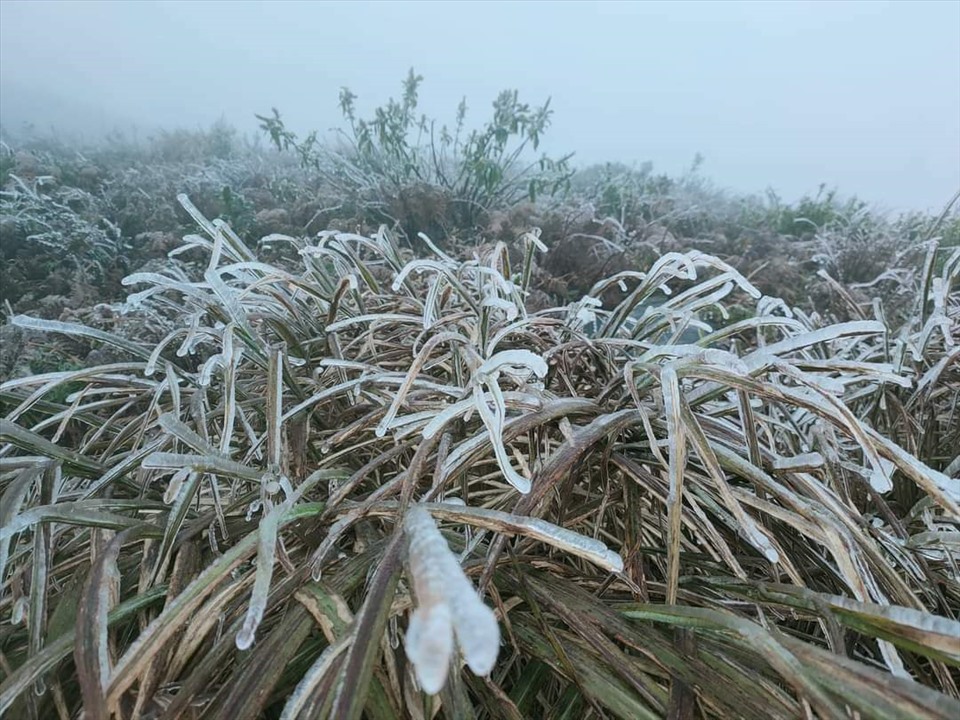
[(755, 525)]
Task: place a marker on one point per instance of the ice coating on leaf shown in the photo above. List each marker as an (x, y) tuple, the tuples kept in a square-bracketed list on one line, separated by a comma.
[(19, 612), (533, 237), (722, 358), (266, 550), (694, 354), (409, 379), (477, 631), (429, 645), (151, 365), (430, 305), (825, 405), (68, 328), (190, 242), (880, 476), (437, 251), (192, 337), (493, 420), (445, 416), (206, 372), (675, 264), (438, 420), (446, 605), (372, 318), (200, 463), (508, 307), (170, 424), (277, 237), (585, 314), (499, 281), (586, 547), (242, 270), (670, 385), (151, 278), (814, 337), (513, 358), (829, 385), (417, 266), (767, 304), (176, 482), (804, 462), (760, 541), (229, 297), (559, 537)]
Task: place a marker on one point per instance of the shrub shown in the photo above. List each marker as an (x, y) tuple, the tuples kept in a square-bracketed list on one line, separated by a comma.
[(480, 170)]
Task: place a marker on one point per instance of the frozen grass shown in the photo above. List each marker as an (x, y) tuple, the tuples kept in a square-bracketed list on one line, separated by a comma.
[(760, 525), (73, 223), (54, 237)]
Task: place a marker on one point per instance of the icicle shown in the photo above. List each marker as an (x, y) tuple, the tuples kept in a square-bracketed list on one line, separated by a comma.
[(266, 552), (447, 607)]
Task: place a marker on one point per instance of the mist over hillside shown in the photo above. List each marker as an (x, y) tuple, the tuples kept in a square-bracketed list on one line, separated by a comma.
[(789, 95), (28, 111)]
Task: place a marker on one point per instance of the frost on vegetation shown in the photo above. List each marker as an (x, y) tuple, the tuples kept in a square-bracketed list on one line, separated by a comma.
[(19, 613), (767, 305), (582, 315), (509, 308), (805, 462), (447, 607), (176, 482), (520, 364), (806, 381), (266, 555), (559, 537), (688, 355), (532, 239), (65, 226), (419, 266)]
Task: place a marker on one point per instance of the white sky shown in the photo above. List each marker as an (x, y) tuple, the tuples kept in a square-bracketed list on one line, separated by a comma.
[(861, 95)]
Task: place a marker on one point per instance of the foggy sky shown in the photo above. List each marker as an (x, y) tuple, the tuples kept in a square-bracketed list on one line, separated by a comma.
[(788, 95)]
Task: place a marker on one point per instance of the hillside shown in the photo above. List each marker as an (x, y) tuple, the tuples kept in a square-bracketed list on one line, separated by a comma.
[(422, 424)]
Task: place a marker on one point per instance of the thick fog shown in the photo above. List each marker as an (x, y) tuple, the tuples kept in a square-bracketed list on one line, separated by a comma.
[(863, 96)]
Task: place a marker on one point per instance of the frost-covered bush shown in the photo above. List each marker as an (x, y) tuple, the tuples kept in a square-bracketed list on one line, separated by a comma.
[(379, 161), (53, 240)]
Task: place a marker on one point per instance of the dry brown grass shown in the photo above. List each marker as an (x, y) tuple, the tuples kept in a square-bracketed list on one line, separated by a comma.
[(211, 528)]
